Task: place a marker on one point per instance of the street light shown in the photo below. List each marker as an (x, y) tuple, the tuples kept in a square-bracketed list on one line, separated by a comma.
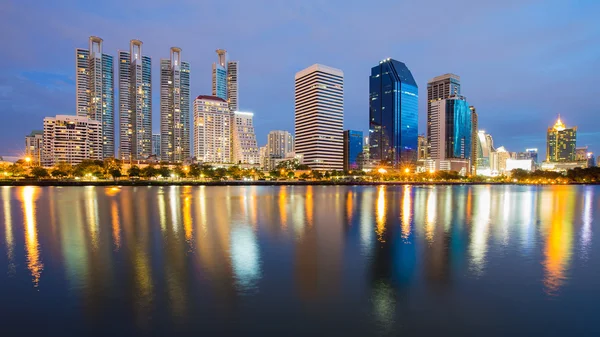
[(406, 170), (382, 170)]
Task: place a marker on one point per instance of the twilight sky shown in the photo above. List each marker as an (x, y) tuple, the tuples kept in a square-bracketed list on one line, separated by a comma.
[(521, 62)]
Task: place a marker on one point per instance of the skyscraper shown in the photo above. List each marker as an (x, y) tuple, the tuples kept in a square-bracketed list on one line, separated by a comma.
[(440, 87), (232, 85), (212, 130), (174, 108), (353, 147), (71, 139), (450, 125), (393, 114), (319, 117), (219, 75), (280, 145), (474, 139), (561, 143), (95, 90), (135, 103), (422, 147), (244, 147), (34, 146)]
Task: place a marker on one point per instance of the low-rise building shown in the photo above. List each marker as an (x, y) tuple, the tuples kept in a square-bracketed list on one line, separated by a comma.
[(71, 139)]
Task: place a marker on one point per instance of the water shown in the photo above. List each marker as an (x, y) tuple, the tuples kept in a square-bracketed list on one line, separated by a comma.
[(300, 261)]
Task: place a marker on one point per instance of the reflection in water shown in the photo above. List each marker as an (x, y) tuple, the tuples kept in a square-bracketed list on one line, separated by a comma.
[(479, 232), (381, 210), (8, 231), (558, 239), (34, 262), (192, 254)]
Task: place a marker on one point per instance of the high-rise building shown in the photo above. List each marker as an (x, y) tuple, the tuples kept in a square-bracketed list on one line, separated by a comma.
[(263, 157), (219, 75), (440, 87), (319, 117), (474, 139), (212, 130), (561, 143), (422, 147), (174, 108), (34, 146), (280, 145), (156, 143), (71, 139), (135, 103), (232, 85), (244, 147), (95, 90), (531, 154), (353, 148), (498, 160), (451, 129), (393, 114), (581, 153)]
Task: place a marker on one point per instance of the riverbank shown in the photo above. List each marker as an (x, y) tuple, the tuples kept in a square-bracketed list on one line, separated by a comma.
[(248, 183)]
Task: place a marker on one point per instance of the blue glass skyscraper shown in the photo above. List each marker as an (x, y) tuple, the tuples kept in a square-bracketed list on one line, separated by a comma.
[(353, 148), (393, 114)]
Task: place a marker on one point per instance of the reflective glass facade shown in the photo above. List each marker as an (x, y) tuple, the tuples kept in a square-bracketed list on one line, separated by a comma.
[(393, 114), (108, 107), (561, 143), (458, 129), (353, 148)]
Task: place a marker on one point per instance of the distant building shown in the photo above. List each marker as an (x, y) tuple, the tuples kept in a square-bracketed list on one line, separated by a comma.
[(71, 139), (135, 103), (212, 130), (523, 164), (174, 108), (422, 147), (280, 145), (393, 114), (561, 143), (485, 149), (95, 84), (263, 157), (353, 147), (581, 153), (319, 117), (232, 85), (244, 147), (498, 161), (474, 139), (156, 143), (219, 75), (529, 154), (591, 160), (34, 146)]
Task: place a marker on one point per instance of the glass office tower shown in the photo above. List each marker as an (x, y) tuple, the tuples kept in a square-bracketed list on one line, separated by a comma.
[(353, 148), (393, 114), (561, 143)]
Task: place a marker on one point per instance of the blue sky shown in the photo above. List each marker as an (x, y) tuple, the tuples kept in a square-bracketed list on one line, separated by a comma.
[(521, 62)]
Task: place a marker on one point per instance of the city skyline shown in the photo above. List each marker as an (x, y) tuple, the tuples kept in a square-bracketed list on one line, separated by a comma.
[(510, 111)]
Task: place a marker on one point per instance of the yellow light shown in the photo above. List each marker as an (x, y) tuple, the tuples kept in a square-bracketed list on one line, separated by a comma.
[(28, 159), (431, 171), (407, 170), (382, 171)]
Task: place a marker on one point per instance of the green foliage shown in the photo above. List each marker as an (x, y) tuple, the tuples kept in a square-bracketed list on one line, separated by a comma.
[(134, 171), (39, 172), (148, 172), (164, 172), (115, 173)]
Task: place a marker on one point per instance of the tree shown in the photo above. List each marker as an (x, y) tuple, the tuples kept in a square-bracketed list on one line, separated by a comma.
[(304, 176), (180, 171), (149, 172), (316, 175), (16, 170), (164, 172), (59, 173), (65, 168), (134, 171), (291, 175), (235, 172), (195, 171), (219, 173), (115, 173), (39, 172)]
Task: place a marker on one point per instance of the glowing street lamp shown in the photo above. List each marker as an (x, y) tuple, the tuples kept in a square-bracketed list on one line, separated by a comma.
[(406, 170), (382, 170)]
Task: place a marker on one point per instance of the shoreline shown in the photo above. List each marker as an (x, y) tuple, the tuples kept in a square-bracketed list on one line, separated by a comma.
[(125, 183)]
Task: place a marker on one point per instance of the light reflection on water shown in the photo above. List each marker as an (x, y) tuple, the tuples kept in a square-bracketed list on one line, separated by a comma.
[(198, 257)]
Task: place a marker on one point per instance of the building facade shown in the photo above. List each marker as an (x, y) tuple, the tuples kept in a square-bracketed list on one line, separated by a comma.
[(438, 88), (581, 153), (422, 147), (135, 103), (450, 124), (244, 146), (156, 143), (95, 84), (353, 148), (319, 117), (34, 146), (71, 139), (174, 108), (529, 154), (474, 139), (561, 143), (219, 75), (232, 85), (212, 130), (393, 114)]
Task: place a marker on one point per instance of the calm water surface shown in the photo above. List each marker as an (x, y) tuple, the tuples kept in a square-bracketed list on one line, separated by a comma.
[(300, 261)]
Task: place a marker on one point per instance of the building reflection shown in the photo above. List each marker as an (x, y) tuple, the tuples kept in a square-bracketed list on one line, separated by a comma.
[(9, 238), (34, 260), (478, 246), (587, 219)]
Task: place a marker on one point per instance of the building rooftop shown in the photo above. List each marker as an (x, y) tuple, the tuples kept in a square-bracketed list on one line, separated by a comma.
[(319, 67), (212, 98)]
